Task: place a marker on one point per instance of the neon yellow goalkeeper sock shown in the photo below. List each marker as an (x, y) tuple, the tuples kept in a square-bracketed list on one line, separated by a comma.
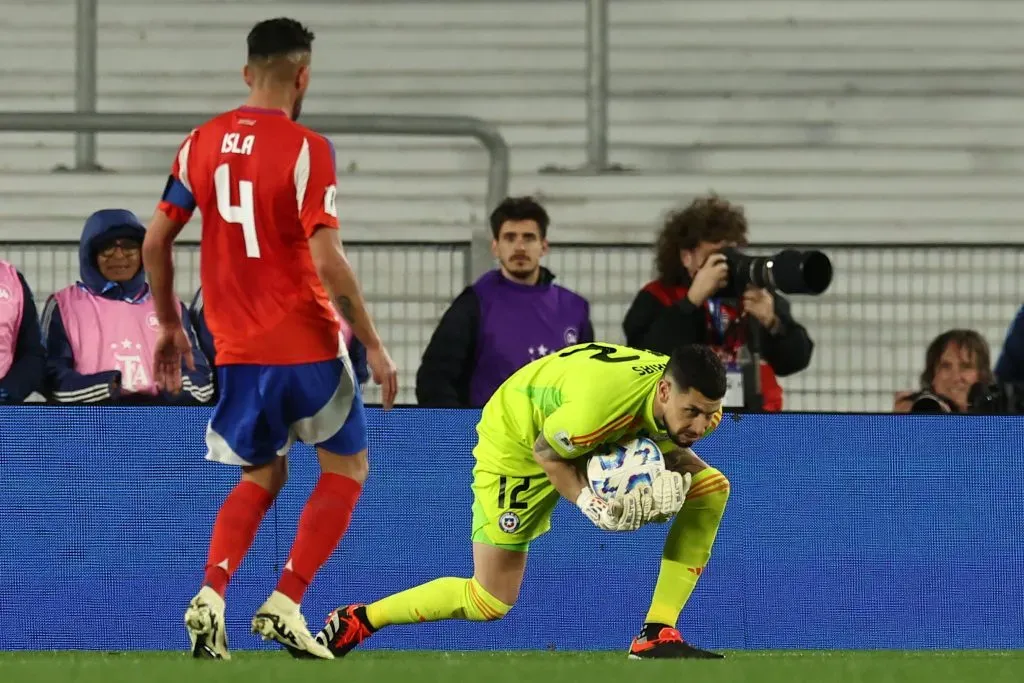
[(447, 598), (688, 546)]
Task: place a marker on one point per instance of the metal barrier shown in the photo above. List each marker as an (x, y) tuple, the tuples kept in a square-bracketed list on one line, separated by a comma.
[(597, 85), (405, 309), (86, 49), (870, 329), (480, 259)]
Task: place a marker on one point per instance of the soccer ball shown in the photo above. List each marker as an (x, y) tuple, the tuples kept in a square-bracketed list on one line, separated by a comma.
[(615, 469)]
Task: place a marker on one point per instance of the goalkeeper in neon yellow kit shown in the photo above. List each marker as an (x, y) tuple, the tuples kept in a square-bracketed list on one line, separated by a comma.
[(539, 421)]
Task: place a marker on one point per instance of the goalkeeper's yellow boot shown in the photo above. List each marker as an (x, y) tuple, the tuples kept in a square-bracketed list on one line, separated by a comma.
[(660, 641), (346, 628), (204, 620)]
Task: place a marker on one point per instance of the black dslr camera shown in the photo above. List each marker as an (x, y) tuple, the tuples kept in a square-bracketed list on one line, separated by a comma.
[(790, 271), (1001, 398), (927, 401)]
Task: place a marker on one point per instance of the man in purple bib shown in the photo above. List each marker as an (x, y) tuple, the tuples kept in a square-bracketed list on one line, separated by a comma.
[(101, 330), (509, 317)]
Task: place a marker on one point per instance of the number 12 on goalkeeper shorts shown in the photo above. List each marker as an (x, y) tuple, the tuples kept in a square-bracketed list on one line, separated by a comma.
[(509, 489)]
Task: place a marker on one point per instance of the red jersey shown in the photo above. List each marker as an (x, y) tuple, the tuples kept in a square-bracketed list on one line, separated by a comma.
[(263, 184)]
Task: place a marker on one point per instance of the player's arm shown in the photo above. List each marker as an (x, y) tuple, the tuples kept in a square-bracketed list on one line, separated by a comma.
[(565, 475), (571, 432), (319, 217), (172, 214), (158, 257), (623, 514), (338, 278)]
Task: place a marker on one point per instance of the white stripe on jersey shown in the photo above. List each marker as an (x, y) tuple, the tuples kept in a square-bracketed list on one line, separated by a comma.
[(301, 174), (183, 164)]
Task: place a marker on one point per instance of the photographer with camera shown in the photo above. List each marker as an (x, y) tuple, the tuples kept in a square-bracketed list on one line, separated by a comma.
[(707, 292), (955, 362)]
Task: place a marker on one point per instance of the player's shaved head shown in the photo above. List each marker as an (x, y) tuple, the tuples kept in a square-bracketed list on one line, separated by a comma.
[(696, 366), (278, 37), (277, 69), (279, 47)]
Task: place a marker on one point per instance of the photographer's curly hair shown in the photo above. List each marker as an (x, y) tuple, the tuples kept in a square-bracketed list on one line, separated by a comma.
[(965, 340), (706, 219)]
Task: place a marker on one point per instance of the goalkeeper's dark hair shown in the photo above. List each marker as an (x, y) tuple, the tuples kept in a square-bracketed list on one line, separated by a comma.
[(696, 366), (278, 38)]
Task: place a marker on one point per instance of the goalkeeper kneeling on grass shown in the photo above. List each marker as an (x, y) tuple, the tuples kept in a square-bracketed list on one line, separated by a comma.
[(534, 434)]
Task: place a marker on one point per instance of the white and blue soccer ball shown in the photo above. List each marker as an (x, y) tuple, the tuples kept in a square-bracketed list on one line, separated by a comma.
[(615, 469)]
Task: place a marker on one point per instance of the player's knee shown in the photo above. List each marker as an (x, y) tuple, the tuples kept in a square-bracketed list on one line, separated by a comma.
[(710, 490), (724, 487), (356, 466), (480, 605), (271, 476)]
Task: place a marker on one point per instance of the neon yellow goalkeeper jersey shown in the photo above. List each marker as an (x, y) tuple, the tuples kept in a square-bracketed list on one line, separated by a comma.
[(579, 397)]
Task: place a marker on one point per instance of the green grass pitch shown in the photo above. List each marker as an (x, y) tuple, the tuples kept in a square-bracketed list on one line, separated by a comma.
[(517, 667)]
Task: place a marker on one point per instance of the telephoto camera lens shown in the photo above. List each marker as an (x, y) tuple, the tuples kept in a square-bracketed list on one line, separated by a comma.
[(790, 271)]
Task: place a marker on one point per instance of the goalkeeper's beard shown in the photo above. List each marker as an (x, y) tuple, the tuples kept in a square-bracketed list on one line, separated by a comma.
[(676, 439)]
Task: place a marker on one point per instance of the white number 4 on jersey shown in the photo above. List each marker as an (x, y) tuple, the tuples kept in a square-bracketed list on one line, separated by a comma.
[(243, 214)]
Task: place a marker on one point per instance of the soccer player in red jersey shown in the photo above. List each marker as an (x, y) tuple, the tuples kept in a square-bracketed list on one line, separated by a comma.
[(272, 265)]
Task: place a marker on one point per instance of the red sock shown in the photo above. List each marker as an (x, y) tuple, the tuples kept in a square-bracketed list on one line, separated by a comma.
[(321, 526), (233, 532)]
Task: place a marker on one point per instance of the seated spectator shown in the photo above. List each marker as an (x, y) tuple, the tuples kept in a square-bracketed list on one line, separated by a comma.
[(100, 331), (684, 306), (953, 363), (356, 350), (22, 357), (1010, 367), (509, 317)]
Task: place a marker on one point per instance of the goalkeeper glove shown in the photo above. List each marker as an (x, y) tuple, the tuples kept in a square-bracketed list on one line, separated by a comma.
[(628, 513), (669, 493)]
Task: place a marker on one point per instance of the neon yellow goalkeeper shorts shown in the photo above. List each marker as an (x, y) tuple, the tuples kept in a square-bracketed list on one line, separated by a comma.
[(510, 511)]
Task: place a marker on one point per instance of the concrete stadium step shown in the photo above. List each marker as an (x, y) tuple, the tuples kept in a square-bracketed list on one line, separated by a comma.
[(573, 189), (978, 33), (634, 111), (623, 83), (382, 58), (40, 225), (743, 11), (849, 160), (43, 151), (929, 134), (549, 13), (643, 214)]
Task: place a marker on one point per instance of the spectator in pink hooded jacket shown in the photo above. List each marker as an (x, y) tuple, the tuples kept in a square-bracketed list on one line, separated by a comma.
[(100, 331)]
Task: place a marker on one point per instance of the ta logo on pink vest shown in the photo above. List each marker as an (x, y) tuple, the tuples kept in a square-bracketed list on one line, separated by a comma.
[(128, 359), (6, 296), (152, 321)]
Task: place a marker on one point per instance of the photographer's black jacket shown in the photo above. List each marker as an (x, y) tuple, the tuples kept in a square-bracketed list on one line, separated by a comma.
[(661, 318)]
